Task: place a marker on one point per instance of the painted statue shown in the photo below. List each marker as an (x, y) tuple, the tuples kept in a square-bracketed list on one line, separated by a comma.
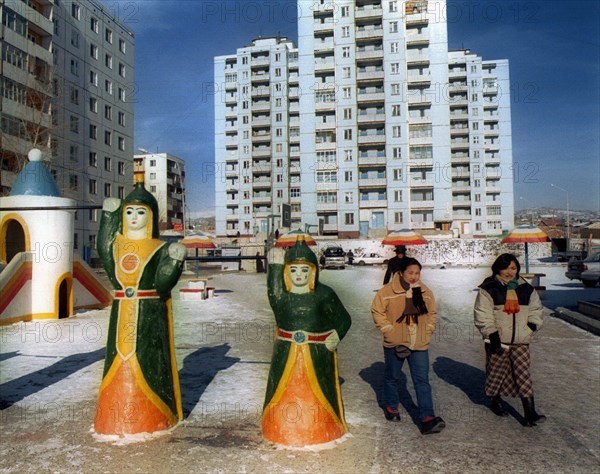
[(303, 404), (140, 386)]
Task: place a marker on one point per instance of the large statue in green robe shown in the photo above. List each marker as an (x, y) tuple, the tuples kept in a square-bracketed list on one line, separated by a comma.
[(140, 387), (303, 404)]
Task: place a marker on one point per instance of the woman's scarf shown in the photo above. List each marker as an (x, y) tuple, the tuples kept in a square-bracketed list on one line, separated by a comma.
[(415, 305), (511, 305)]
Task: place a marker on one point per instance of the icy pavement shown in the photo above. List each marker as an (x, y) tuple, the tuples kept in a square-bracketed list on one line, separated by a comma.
[(50, 372)]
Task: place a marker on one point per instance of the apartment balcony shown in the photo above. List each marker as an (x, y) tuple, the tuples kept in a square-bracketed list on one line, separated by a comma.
[(293, 78), (261, 137), (491, 132), (463, 188), (418, 79), (261, 167), (493, 189), (372, 182), (231, 127), (370, 97), (459, 143), (262, 77), (489, 146), (231, 99), (322, 146), (490, 90), (231, 141), (322, 65), (262, 199), (370, 54), (368, 12), (261, 106), (371, 33), (416, 57), (261, 121), (419, 99), (325, 44), (326, 27), (492, 159), (329, 186), (456, 73), (461, 173), (260, 92), (262, 61), (232, 232), (420, 141), (231, 173), (420, 162), (456, 130), (461, 214), (416, 19), (372, 203), (426, 119), (37, 117), (232, 201), (413, 35), (294, 107), (261, 152), (371, 160), (327, 206), (421, 182), (422, 204), (231, 86), (295, 139), (461, 201), (370, 76), (231, 113), (262, 183), (294, 153), (460, 158), (378, 139), (459, 113), (232, 217), (371, 118), (330, 125), (458, 99)]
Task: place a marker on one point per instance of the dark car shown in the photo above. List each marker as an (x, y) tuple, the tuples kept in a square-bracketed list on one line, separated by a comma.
[(333, 257), (576, 267)]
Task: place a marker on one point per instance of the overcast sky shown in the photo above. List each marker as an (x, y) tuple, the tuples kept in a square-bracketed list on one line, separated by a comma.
[(553, 47)]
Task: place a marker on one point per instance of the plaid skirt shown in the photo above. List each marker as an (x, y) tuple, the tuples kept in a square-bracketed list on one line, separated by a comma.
[(508, 373)]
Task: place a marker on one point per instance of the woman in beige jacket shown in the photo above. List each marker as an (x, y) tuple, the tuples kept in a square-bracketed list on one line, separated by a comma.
[(404, 311)]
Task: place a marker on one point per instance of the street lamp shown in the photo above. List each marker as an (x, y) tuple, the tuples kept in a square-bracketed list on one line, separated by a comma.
[(568, 215), (531, 209)]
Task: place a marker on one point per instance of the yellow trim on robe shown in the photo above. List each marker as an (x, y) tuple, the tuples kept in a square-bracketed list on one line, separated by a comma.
[(312, 379)]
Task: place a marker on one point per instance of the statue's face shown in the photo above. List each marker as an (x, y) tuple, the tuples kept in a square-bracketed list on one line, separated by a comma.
[(299, 274), (136, 216)]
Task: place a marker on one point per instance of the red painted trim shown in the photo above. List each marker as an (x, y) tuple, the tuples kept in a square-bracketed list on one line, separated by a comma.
[(83, 276), (15, 284)]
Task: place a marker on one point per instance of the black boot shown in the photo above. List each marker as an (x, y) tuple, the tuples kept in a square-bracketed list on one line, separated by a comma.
[(531, 417), (497, 407)]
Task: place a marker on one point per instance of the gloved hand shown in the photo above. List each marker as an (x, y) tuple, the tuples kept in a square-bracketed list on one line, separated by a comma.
[(495, 346), (332, 341), (532, 326)]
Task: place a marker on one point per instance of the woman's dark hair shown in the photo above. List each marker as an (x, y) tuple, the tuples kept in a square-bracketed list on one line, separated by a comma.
[(503, 262), (407, 262)]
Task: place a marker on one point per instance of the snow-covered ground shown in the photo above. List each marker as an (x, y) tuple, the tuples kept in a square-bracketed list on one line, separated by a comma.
[(50, 372)]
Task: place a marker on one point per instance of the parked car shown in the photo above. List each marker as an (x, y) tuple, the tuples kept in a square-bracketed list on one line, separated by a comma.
[(574, 269), (370, 259), (590, 274), (333, 257)]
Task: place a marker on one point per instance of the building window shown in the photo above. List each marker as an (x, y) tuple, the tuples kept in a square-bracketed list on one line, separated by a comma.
[(93, 78), (108, 36), (348, 155), (121, 143), (348, 176), (121, 118), (393, 6), (396, 131), (346, 92), (107, 189), (348, 134), (74, 95), (346, 72), (398, 195), (73, 152), (121, 192), (107, 163), (398, 217), (349, 218), (74, 124), (108, 87), (74, 39), (395, 89), (75, 11), (121, 94), (121, 168), (108, 61), (122, 46), (93, 186), (94, 24), (346, 52), (94, 51), (345, 11), (74, 67), (393, 27), (108, 138), (93, 132), (395, 68), (397, 153), (347, 114), (397, 174), (394, 47), (345, 31), (93, 159)]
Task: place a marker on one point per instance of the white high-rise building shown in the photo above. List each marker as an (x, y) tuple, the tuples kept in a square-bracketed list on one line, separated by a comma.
[(165, 179), (395, 131), (92, 130), (257, 136)]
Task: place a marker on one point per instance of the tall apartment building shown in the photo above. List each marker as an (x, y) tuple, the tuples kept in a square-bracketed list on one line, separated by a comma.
[(67, 72), (25, 84), (92, 131), (480, 143), (395, 131), (257, 136), (165, 179)]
